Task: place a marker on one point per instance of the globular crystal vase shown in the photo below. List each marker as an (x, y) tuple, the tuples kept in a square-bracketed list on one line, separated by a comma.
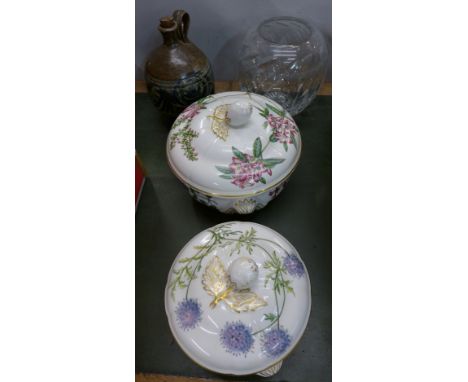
[(284, 59)]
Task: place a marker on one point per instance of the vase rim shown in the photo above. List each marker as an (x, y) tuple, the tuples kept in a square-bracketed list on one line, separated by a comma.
[(301, 27)]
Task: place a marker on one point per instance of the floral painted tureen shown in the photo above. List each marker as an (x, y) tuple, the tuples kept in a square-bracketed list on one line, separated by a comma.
[(238, 299), (234, 150)]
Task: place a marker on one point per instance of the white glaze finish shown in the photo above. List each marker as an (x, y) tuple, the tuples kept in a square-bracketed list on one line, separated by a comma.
[(243, 272), (203, 342), (202, 173), (271, 370), (239, 113), (240, 205)]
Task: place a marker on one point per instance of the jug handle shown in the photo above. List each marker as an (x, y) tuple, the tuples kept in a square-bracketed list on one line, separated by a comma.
[(182, 19)]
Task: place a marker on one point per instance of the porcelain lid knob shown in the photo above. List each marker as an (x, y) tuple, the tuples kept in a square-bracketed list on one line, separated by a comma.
[(244, 272), (239, 113)]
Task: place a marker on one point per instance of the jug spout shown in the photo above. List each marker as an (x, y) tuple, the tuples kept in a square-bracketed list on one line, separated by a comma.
[(168, 29)]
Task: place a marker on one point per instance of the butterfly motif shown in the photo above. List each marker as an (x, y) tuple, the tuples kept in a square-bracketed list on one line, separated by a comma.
[(219, 125), (217, 283)]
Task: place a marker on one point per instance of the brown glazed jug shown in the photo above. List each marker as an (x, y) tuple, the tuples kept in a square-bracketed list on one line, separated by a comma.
[(177, 73)]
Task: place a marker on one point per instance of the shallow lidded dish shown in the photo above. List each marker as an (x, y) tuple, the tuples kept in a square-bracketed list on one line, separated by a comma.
[(222, 305), (234, 150)]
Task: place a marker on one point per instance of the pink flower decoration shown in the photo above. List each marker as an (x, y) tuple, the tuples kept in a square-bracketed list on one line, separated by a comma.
[(247, 172), (283, 128), (191, 111)]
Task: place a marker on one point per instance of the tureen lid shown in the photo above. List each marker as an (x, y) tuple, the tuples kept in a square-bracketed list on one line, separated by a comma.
[(238, 298), (233, 143)]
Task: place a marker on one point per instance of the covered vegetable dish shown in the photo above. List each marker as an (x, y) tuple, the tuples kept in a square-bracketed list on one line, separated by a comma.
[(238, 299), (234, 150)]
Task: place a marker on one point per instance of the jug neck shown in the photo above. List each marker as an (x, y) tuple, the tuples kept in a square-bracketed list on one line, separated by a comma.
[(169, 31)]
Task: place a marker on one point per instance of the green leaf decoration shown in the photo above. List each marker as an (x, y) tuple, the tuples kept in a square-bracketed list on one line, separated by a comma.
[(184, 137), (271, 162), (264, 113), (270, 317), (275, 110), (226, 176), (262, 180), (287, 286), (257, 148), (183, 261), (204, 100), (247, 240), (238, 154), (260, 110), (265, 124), (285, 145), (273, 138), (224, 170), (293, 138)]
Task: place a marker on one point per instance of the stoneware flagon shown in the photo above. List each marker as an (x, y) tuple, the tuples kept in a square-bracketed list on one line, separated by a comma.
[(238, 299), (234, 151), (177, 73)]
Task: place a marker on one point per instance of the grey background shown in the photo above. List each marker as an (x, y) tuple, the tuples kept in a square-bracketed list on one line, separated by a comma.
[(218, 26)]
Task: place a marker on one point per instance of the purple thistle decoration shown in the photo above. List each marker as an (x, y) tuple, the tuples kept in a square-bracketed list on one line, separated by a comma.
[(293, 265), (236, 338), (275, 342), (188, 313)]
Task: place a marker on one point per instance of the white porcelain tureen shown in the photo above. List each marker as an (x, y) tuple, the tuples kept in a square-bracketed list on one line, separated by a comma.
[(234, 150), (238, 299)]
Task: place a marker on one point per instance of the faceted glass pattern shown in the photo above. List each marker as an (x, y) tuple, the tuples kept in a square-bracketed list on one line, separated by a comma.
[(284, 59)]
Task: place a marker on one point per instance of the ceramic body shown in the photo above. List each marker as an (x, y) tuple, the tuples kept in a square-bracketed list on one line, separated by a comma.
[(231, 330), (177, 73), (234, 151), (240, 205)]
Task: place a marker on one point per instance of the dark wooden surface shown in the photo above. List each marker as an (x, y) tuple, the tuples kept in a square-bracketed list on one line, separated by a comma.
[(225, 86), (167, 217)]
